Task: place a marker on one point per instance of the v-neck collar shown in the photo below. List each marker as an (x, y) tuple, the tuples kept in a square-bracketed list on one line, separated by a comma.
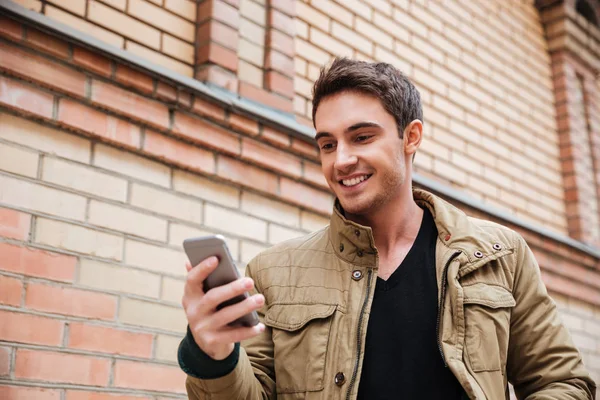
[(396, 276)]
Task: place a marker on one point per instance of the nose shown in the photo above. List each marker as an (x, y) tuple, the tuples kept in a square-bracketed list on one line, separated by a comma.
[(344, 160)]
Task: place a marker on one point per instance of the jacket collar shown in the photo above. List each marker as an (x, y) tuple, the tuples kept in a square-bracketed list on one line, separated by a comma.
[(355, 244)]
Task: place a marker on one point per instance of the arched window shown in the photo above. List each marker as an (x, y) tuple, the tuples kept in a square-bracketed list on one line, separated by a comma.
[(584, 8)]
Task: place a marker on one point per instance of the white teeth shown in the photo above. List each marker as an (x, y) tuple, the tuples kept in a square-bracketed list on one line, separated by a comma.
[(354, 181)]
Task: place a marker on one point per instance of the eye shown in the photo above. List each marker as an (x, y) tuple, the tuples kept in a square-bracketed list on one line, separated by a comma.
[(362, 138), (327, 146)]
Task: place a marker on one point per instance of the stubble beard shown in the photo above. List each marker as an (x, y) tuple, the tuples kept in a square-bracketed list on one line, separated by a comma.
[(377, 198)]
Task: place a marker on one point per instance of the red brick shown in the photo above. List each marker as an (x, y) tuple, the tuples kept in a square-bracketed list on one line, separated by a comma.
[(179, 153), (25, 98), (61, 368), (279, 62), (5, 354), (271, 158), (285, 6), (41, 70), (568, 152), (26, 328), (570, 288), (11, 28), (130, 104), (208, 135), (216, 9), (139, 375), (92, 61), (303, 147), (207, 109), (39, 263), (243, 124), (570, 268), (274, 137), (572, 194), (79, 395), (279, 83), (166, 92), (219, 55), (109, 340), (47, 43), (282, 22), (218, 76), (62, 300), (246, 174), (307, 196), (76, 115), (217, 32), (262, 96), (10, 291), (314, 174), (568, 166), (28, 393), (184, 98), (14, 224), (281, 42), (133, 78)]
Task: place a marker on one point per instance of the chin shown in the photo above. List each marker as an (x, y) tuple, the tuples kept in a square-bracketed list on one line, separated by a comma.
[(356, 206)]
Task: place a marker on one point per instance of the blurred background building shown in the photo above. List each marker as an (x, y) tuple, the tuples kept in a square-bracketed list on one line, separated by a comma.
[(127, 126)]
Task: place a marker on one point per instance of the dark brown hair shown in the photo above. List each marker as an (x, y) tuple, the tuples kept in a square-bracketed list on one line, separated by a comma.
[(397, 94)]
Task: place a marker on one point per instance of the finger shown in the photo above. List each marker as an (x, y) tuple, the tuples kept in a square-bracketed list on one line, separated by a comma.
[(238, 334), (218, 295), (198, 274), (235, 311), (188, 266)]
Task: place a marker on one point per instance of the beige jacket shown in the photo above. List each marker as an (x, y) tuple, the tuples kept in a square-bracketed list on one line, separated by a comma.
[(496, 321)]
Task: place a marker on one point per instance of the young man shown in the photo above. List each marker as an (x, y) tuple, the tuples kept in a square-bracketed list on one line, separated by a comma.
[(401, 296)]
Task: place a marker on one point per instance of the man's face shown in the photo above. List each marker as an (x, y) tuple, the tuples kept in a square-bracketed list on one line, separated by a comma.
[(361, 152)]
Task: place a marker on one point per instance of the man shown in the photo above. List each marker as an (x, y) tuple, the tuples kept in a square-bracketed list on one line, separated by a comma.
[(401, 296)]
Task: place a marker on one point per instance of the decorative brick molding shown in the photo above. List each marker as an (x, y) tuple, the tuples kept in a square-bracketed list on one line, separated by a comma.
[(217, 43), (248, 48), (279, 51), (574, 45), (145, 114)]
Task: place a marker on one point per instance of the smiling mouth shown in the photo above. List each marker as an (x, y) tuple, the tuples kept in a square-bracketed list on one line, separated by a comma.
[(354, 181)]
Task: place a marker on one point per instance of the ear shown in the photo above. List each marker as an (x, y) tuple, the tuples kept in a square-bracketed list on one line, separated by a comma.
[(413, 134)]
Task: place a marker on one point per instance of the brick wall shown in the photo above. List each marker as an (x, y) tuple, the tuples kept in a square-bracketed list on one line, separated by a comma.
[(162, 31), (105, 169), (484, 74), (482, 67), (574, 45)]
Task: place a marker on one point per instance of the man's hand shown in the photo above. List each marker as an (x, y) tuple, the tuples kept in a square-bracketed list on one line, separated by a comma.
[(209, 326)]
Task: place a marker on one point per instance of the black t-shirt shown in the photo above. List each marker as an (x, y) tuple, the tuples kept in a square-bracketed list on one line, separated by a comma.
[(402, 359)]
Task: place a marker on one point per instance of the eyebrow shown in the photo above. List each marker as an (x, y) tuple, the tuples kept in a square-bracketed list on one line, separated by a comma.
[(352, 128)]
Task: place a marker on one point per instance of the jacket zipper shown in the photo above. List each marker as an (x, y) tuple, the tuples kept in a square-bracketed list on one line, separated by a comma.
[(441, 305), (358, 334)]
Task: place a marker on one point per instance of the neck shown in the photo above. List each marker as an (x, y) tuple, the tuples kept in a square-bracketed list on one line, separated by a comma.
[(394, 224)]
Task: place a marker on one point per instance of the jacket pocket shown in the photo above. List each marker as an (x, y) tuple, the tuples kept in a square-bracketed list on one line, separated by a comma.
[(301, 339), (487, 325)]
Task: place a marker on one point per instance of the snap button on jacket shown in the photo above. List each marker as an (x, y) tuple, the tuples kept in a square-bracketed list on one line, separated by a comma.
[(497, 322)]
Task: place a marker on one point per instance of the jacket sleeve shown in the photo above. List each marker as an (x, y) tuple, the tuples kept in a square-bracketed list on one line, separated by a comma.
[(543, 362), (253, 378)]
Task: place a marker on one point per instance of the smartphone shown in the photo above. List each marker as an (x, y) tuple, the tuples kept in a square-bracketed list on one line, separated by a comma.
[(199, 249)]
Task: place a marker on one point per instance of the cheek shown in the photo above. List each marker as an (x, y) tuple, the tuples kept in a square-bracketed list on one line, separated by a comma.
[(326, 167)]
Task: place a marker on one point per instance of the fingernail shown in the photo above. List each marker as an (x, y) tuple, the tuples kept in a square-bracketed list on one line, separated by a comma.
[(247, 283), (213, 260), (259, 299), (260, 327)]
